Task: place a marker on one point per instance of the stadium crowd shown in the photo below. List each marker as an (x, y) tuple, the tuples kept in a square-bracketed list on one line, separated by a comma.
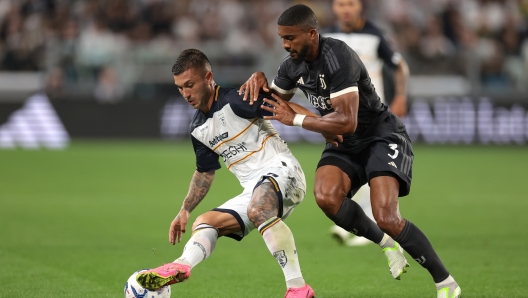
[(108, 48)]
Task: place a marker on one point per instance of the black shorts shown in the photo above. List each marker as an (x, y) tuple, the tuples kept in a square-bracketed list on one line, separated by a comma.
[(388, 155)]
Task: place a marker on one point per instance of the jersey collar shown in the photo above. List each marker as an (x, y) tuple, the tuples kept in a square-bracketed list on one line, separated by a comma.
[(217, 88)]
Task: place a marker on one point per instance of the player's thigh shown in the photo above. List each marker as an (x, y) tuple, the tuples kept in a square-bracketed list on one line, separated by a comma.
[(264, 201), (224, 222), (237, 207), (279, 190), (338, 175), (391, 156)]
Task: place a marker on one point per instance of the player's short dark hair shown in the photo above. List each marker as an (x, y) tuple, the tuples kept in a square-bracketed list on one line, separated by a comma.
[(190, 58), (299, 15)]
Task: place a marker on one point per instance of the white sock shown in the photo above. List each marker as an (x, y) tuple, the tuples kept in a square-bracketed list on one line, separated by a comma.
[(445, 282), (279, 239), (386, 241), (200, 246)]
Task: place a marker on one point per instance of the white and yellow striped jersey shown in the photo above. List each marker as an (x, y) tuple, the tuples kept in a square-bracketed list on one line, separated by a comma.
[(235, 131)]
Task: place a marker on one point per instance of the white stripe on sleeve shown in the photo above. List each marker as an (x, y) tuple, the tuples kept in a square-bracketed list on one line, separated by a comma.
[(280, 90), (344, 91)]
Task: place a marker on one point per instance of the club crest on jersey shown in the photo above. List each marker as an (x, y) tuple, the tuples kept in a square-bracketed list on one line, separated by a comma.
[(321, 78), (217, 139), (281, 257), (221, 117)]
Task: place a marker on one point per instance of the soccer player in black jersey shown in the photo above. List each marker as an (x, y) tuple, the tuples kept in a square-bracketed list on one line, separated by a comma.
[(386, 68), (366, 143)]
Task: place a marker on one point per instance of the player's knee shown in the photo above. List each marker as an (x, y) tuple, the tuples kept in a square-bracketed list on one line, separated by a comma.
[(201, 219), (258, 215), (253, 213), (388, 222), (329, 201)]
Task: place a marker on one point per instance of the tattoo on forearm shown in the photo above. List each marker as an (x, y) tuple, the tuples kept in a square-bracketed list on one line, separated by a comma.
[(200, 185)]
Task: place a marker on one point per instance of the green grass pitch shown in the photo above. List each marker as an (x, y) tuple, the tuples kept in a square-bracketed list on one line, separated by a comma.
[(77, 223)]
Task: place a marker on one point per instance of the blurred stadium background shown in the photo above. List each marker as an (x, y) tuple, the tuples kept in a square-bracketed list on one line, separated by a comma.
[(92, 78), (105, 65)]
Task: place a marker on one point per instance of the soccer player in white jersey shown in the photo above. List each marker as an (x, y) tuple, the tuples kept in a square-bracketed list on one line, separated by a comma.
[(226, 127), (375, 51)]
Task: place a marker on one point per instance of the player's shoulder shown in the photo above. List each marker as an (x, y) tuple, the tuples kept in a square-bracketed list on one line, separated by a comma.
[(287, 63), (198, 119), (333, 46), (335, 52), (228, 95)]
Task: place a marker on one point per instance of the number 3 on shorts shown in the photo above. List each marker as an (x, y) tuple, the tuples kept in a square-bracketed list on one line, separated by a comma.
[(393, 147)]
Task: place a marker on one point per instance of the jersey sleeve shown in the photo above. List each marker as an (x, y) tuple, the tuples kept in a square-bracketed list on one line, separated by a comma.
[(282, 83), (345, 78), (206, 159), (244, 110), (390, 57)]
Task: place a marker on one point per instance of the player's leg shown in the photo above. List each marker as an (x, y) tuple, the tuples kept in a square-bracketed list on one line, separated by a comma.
[(333, 180), (263, 211), (384, 195), (362, 197), (206, 230), (390, 170), (332, 185)]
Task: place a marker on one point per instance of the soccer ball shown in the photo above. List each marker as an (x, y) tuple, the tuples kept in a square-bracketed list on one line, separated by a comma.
[(134, 290)]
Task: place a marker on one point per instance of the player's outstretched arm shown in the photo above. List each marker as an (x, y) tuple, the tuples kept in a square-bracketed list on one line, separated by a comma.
[(300, 110), (200, 184), (342, 121)]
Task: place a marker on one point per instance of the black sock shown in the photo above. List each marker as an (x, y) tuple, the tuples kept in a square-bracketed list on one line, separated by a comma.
[(352, 218), (414, 241)]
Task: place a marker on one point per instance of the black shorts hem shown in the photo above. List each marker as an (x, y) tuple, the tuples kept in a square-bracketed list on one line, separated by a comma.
[(347, 168), (337, 162), (239, 220), (405, 186)]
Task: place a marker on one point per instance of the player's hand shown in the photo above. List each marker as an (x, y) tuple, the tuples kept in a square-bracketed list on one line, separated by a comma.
[(399, 106), (177, 227), (253, 85), (333, 139), (281, 110)]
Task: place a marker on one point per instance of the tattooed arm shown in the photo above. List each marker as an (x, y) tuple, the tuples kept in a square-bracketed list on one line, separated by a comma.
[(200, 185)]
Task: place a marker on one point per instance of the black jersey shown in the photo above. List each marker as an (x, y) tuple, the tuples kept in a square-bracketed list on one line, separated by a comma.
[(337, 70), (374, 50)]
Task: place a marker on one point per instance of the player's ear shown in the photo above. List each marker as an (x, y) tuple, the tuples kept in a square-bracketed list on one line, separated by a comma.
[(313, 34), (209, 77)]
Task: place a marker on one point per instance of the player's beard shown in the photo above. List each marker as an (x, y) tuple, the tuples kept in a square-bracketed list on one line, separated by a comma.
[(301, 55)]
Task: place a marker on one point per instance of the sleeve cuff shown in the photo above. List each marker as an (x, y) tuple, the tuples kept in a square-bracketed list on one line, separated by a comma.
[(344, 91), (280, 90)]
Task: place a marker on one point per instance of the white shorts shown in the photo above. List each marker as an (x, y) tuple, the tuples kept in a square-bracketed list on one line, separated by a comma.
[(283, 170)]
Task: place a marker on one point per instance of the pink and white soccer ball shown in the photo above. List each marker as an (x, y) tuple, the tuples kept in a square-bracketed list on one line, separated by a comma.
[(134, 290)]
